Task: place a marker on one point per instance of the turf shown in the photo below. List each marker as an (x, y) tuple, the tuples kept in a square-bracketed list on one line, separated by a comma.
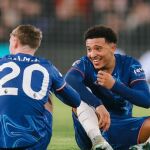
[(63, 133)]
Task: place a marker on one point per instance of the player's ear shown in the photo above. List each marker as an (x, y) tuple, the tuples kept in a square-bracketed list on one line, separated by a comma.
[(113, 46), (16, 42)]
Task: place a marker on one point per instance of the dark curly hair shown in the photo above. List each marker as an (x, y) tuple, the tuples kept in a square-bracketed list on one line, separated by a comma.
[(100, 31)]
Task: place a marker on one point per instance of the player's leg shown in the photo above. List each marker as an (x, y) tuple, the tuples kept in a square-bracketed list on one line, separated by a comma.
[(89, 121), (124, 131), (81, 137), (145, 131), (144, 137)]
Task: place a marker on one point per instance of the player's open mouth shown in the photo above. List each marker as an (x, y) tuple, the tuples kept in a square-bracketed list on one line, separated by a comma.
[(96, 61)]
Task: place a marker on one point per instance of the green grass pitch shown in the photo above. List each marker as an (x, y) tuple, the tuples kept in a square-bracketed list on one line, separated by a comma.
[(63, 133)]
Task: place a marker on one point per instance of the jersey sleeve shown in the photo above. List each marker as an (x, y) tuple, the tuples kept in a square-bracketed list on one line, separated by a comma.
[(75, 77), (63, 91), (136, 72), (137, 92), (79, 66), (58, 81)]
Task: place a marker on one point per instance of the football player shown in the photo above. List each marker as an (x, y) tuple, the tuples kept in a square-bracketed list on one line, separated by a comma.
[(117, 82), (25, 84)]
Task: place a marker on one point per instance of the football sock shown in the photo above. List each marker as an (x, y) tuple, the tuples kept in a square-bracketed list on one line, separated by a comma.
[(88, 119)]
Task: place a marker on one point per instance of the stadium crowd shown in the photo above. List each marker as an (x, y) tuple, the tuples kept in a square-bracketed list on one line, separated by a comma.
[(64, 21), (55, 17)]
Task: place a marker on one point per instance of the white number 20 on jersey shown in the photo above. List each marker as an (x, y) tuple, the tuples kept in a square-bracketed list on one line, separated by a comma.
[(26, 83)]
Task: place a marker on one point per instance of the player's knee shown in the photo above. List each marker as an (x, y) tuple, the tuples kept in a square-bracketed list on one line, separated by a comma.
[(84, 107), (86, 112), (147, 124), (145, 131)]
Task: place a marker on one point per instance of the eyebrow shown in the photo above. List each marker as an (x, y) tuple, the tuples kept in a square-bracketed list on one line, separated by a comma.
[(97, 46)]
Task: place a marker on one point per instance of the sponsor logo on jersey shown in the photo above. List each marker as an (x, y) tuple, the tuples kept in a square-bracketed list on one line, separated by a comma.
[(138, 71)]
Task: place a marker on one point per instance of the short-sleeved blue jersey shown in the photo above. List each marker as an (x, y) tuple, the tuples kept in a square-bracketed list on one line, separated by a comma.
[(25, 84), (127, 71)]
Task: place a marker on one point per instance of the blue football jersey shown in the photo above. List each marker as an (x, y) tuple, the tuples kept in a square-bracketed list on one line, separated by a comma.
[(127, 71), (25, 84)]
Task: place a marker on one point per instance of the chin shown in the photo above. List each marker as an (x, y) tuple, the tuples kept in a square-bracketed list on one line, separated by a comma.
[(97, 67)]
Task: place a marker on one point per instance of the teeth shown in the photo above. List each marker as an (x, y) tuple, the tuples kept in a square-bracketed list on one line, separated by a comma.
[(95, 60)]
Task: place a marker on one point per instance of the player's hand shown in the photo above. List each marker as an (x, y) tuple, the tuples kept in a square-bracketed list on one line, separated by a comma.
[(49, 105), (105, 79), (103, 117)]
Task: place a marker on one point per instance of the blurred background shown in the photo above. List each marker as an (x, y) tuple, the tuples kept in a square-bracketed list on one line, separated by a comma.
[(63, 23)]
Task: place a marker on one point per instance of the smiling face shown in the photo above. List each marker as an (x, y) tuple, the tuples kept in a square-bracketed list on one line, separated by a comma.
[(101, 53)]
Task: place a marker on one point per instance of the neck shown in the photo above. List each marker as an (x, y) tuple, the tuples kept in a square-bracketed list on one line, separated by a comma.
[(110, 67), (24, 50)]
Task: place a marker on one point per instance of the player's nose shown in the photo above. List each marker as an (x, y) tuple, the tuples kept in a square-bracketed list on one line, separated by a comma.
[(93, 54)]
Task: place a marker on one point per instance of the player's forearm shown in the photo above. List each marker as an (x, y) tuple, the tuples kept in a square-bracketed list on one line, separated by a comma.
[(138, 95), (69, 96), (76, 82), (87, 96)]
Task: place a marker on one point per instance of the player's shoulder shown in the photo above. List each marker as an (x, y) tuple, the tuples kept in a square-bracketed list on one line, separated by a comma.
[(126, 59), (44, 61), (83, 61), (83, 65), (3, 59), (52, 69)]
